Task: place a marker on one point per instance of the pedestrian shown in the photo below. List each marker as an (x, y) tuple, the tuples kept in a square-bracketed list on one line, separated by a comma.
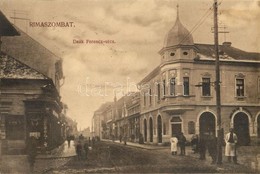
[(79, 150), (120, 138), (141, 139), (212, 147), (32, 152), (113, 137), (202, 146), (81, 137), (231, 141), (86, 149), (93, 142), (174, 142), (68, 140), (194, 143), (182, 143), (125, 139)]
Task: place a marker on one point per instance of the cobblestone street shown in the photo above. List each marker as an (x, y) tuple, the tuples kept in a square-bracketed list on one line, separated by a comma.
[(109, 157)]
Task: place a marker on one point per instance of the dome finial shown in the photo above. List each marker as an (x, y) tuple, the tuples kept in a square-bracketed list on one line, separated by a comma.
[(177, 6)]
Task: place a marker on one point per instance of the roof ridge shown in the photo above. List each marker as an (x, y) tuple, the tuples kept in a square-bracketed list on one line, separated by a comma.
[(23, 64)]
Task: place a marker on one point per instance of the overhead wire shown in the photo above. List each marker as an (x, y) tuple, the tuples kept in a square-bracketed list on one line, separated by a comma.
[(199, 23)]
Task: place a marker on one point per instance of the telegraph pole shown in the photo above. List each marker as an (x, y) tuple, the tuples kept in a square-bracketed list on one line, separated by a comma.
[(217, 86)]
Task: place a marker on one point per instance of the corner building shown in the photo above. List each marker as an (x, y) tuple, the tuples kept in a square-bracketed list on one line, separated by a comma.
[(179, 95)]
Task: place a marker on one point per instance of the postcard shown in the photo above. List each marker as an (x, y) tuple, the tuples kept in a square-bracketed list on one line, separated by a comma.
[(129, 86)]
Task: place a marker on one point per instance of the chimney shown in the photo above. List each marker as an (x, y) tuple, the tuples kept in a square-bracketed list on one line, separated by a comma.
[(228, 44)]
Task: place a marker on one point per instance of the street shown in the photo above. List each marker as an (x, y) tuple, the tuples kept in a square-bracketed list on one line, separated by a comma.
[(109, 157)]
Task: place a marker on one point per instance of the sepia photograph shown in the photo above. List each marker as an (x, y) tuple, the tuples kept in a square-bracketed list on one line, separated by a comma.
[(129, 86)]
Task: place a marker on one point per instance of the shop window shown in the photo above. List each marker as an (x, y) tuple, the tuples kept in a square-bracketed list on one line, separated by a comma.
[(14, 127)]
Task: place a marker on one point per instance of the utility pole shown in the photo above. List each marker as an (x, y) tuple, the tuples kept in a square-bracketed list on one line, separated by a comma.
[(217, 86)]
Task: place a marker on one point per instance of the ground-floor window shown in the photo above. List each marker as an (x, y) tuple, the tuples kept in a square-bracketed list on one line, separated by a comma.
[(176, 126), (258, 126), (15, 128)]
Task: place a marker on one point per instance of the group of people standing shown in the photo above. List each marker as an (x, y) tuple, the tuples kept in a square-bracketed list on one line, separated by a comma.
[(83, 145), (206, 141), (178, 140)]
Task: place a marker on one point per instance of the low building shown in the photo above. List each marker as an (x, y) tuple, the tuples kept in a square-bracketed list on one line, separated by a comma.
[(30, 106), (133, 117), (30, 103), (100, 120)]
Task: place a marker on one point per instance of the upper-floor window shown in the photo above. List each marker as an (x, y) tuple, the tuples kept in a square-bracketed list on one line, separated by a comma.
[(205, 86), (240, 87), (172, 86), (144, 98), (258, 87), (164, 87), (158, 91), (186, 86), (150, 96)]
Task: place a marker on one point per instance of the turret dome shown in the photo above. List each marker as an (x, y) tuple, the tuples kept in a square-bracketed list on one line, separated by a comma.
[(178, 35)]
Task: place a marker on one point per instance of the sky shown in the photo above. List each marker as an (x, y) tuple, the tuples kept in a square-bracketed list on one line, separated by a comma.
[(135, 31)]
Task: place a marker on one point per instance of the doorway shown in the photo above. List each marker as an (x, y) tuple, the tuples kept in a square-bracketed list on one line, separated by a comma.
[(159, 128), (241, 128), (207, 123), (145, 130), (151, 129)]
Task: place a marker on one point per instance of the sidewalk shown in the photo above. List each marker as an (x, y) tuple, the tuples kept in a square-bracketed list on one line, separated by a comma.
[(61, 152), (57, 158), (44, 162), (142, 146)]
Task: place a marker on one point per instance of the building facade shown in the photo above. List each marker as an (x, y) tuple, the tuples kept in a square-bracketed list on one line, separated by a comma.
[(29, 89), (179, 95)]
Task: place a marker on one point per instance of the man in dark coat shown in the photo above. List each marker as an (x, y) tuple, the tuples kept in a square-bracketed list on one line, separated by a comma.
[(182, 143), (202, 146), (32, 152), (212, 147)]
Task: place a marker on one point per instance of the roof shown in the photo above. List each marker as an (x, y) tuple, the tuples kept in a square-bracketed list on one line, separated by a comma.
[(32, 53), (226, 51), (104, 106), (6, 28), (151, 75), (10, 68), (178, 35)]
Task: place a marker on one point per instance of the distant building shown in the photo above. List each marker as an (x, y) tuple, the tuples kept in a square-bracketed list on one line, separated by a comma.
[(99, 121), (133, 117)]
